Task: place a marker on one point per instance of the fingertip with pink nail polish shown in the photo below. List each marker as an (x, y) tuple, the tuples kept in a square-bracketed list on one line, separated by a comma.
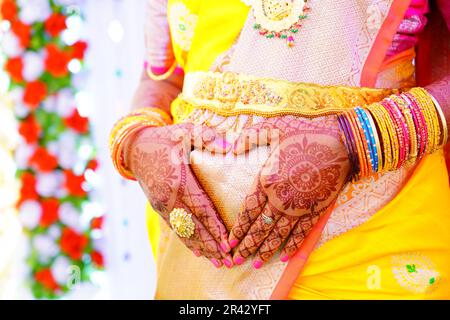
[(227, 263), (257, 264), (233, 243), (215, 262), (197, 253), (238, 260), (284, 258)]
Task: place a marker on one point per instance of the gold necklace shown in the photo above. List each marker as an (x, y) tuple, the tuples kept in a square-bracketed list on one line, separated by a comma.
[(278, 19)]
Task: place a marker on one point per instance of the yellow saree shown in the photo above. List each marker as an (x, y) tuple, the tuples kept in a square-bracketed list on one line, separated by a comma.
[(388, 236)]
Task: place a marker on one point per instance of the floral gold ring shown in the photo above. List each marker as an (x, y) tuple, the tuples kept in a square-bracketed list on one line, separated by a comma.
[(182, 222)]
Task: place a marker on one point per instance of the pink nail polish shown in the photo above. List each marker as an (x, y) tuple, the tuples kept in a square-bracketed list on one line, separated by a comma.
[(215, 263), (221, 144), (233, 243), (197, 253), (227, 263), (225, 247), (238, 260), (284, 258), (257, 264)]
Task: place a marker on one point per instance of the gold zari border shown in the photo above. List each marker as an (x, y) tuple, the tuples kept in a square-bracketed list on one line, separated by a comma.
[(231, 94)]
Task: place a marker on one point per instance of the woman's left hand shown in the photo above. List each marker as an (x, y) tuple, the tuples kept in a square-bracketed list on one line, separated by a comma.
[(307, 168)]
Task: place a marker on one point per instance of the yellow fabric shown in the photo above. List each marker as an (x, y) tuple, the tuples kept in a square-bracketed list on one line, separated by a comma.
[(371, 261), (401, 252), (218, 17)]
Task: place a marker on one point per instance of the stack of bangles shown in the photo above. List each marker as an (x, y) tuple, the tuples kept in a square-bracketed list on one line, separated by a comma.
[(398, 130), (129, 125)]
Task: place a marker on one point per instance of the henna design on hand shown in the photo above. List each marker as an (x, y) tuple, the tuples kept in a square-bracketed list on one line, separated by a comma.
[(158, 158), (307, 167)]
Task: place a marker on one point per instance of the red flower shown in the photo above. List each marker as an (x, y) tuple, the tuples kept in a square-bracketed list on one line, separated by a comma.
[(79, 49), (74, 184), (92, 164), (73, 244), (55, 24), (35, 92), (97, 259), (56, 61), (22, 31), (78, 123), (97, 222), (30, 129), (42, 160), (28, 187), (49, 214), (8, 10), (14, 67), (45, 278)]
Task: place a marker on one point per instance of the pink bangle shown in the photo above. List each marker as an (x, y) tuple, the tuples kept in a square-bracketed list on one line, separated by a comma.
[(406, 133), (401, 131), (421, 125)]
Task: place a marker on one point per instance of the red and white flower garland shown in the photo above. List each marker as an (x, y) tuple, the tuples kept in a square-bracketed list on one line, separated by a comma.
[(56, 155)]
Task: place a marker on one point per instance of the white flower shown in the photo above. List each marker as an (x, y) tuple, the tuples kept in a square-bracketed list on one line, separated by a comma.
[(70, 216), (23, 154), (65, 103), (54, 231), (67, 153), (30, 213), (20, 109), (47, 184), (10, 45), (45, 246), (32, 11), (49, 104), (33, 65), (65, 2), (61, 269)]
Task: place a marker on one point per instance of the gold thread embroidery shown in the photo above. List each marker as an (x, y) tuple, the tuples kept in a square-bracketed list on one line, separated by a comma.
[(231, 94)]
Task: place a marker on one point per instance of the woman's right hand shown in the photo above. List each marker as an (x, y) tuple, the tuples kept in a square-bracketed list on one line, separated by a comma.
[(159, 159)]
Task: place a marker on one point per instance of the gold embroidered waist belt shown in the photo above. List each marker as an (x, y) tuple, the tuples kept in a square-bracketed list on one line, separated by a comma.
[(230, 94)]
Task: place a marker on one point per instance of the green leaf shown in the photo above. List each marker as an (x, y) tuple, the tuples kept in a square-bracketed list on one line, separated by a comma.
[(411, 268)]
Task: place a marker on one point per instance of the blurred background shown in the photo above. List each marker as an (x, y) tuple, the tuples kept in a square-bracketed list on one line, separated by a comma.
[(70, 227)]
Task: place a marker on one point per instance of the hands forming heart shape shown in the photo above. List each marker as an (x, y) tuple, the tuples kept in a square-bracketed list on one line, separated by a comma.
[(306, 169)]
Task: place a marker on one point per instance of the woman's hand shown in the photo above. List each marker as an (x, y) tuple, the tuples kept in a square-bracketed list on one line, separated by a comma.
[(307, 167), (159, 159)]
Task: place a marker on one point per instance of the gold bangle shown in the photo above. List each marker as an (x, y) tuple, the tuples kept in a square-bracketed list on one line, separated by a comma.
[(430, 112), (125, 128), (443, 120), (165, 75), (155, 113), (388, 148)]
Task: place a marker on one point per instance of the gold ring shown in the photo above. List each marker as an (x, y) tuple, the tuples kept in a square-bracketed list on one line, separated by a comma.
[(266, 219), (182, 222)]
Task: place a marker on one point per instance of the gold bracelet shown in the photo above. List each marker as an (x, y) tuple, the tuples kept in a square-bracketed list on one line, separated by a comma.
[(165, 75), (384, 130), (127, 127), (393, 136), (431, 116), (443, 120)]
